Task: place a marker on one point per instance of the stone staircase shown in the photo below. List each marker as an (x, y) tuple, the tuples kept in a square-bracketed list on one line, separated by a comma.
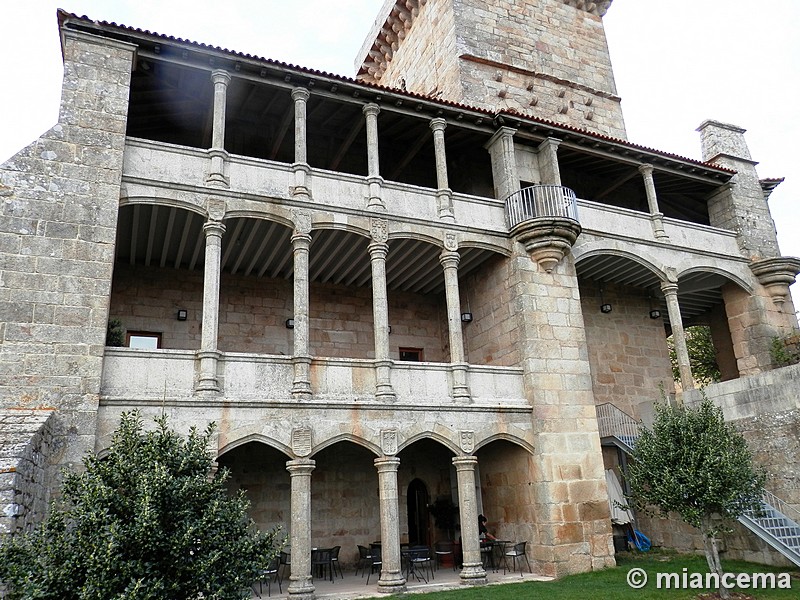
[(775, 522)]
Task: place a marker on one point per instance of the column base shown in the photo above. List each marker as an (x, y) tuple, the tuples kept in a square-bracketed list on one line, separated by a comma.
[(376, 204), (385, 393), (460, 387), (301, 589), (207, 386), (473, 574), (391, 583), (301, 386)]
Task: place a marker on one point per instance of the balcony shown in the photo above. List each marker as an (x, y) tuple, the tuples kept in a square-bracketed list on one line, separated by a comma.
[(540, 201), (545, 219)]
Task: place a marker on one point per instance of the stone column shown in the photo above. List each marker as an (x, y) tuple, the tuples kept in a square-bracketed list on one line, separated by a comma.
[(378, 249), (301, 168), (391, 580), (444, 194), (301, 586), (656, 217), (548, 161), (216, 176), (449, 260), (504, 163), (301, 355), (208, 354), (472, 572), (374, 179), (670, 290)]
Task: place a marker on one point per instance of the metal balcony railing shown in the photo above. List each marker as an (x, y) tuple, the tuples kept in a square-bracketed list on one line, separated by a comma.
[(541, 201)]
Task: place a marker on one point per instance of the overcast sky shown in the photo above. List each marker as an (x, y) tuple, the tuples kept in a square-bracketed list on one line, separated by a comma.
[(676, 64)]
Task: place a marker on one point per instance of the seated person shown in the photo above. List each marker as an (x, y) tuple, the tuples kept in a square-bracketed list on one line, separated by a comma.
[(483, 531)]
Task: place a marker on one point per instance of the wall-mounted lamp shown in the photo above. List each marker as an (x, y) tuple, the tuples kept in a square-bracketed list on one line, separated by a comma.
[(654, 312), (605, 307), (289, 323), (466, 317), (183, 314)]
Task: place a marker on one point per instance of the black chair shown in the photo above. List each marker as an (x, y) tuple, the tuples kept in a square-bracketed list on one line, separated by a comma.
[(441, 550), (285, 561), (364, 559), (269, 575), (516, 552), (375, 563), (335, 566), (419, 562), (321, 563)]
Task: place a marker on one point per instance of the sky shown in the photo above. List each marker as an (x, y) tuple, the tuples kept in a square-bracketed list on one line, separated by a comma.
[(676, 64)]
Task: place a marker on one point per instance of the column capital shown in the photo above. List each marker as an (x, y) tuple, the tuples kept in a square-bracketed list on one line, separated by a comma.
[(300, 94), (378, 250), (438, 124), (669, 288), (371, 109), (301, 240), (300, 466), (646, 169), (465, 463), (213, 228), (550, 142), (387, 464), (449, 259), (220, 76)]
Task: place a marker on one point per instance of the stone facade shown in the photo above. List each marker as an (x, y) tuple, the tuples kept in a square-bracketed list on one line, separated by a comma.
[(367, 339), (530, 57)]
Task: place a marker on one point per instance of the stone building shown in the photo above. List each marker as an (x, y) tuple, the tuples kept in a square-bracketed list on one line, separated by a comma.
[(435, 281)]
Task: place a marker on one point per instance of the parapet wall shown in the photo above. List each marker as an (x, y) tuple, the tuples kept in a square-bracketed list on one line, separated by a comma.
[(27, 448)]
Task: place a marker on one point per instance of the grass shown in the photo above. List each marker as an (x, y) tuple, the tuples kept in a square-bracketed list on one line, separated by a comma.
[(611, 584)]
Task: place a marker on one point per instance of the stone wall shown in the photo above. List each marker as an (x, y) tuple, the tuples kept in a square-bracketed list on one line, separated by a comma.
[(28, 448), (493, 337), (59, 211), (628, 350), (253, 312), (539, 57)]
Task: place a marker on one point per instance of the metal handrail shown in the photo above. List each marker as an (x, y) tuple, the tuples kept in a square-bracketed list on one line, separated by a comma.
[(779, 504), (541, 201), (614, 422)]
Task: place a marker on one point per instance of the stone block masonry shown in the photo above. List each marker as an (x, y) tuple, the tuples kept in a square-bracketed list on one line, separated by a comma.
[(27, 450), (60, 197)]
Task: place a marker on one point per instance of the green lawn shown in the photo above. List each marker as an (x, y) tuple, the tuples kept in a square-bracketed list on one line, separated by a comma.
[(610, 584)]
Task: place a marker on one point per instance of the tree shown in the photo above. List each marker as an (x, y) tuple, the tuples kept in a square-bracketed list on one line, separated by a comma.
[(695, 464), (146, 521), (702, 355)]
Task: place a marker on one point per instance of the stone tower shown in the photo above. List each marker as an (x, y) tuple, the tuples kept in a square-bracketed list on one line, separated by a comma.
[(543, 58)]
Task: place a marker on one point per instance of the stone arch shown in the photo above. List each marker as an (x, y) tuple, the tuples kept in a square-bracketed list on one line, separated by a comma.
[(256, 437), (347, 437), (594, 250), (348, 226), (399, 234), (725, 273), (524, 444), (486, 245), (444, 440), (163, 201), (278, 215)]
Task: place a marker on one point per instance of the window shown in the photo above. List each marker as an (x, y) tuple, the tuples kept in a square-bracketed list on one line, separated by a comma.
[(146, 340), (411, 354)]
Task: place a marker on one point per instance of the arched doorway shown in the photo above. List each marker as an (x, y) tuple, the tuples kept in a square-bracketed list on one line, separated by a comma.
[(417, 502)]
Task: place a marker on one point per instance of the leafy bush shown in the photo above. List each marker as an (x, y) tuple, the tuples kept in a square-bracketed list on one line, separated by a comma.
[(146, 521)]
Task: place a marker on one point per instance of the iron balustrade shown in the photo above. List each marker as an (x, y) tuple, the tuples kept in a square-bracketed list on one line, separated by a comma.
[(541, 201)]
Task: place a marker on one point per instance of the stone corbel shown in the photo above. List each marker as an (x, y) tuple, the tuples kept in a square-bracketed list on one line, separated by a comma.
[(547, 239), (776, 275)]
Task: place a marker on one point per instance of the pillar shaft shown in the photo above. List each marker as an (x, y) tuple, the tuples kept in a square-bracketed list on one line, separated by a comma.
[(391, 579), (449, 260), (438, 126), (380, 315), (504, 163), (300, 97), (221, 80), (211, 276), (301, 585), (656, 217), (472, 571), (374, 180), (678, 335), (301, 354), (548, 161)]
